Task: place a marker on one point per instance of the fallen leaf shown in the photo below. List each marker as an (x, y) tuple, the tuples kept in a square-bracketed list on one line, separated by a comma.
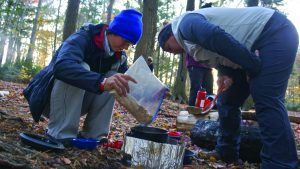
[(66, 160)]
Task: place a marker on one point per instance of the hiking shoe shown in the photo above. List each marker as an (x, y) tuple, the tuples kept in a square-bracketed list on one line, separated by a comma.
[(237, 165), (67, 142), (102, 139), (210, 155)]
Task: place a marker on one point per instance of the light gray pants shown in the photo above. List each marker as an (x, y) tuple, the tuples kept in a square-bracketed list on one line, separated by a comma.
[(68, 103)]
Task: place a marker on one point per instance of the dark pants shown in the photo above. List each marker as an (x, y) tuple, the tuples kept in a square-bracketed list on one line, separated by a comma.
[(199, 77), (277, 53), (229, 104)]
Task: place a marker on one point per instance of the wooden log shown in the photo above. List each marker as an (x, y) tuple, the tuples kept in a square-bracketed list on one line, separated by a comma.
[(250, 115), (294, 117), (246, 115)]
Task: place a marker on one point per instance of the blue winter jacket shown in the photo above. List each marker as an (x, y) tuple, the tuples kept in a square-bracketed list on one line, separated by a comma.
[(66, 66)]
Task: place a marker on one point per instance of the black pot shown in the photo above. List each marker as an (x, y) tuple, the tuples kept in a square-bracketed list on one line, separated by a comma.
[(150, 133)]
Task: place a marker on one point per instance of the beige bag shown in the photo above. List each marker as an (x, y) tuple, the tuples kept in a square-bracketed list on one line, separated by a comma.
[(138, 111)]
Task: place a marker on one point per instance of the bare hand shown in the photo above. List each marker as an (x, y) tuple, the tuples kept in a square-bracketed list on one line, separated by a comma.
[(119, 83), (224, 82), (257, 54)]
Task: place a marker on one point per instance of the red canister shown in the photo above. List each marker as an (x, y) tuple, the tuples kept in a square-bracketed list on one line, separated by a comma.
[(206, 103), (201, 96)]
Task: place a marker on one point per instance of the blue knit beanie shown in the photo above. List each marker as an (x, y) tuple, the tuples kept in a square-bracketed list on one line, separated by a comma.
[(164, 35), (128, 24)]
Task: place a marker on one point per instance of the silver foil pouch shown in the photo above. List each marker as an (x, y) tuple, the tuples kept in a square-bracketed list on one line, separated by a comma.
[(153, 155)]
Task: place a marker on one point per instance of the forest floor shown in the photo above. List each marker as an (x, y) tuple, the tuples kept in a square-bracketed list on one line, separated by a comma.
[(15, 118)]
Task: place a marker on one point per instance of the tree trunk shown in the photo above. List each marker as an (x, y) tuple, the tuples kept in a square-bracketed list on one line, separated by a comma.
[(10, 50), (18, 39), (221, 2), (145, 46), (2, 45), (18, 45), (200, 3), (14, 26), (3, 37), (190, 6), (56, 24), (71, 18), (33, 34), (168, 69), (157, 61), (109, 10), (104, 8), (172, 61), (251, 3), (180, 82), (161, 70)]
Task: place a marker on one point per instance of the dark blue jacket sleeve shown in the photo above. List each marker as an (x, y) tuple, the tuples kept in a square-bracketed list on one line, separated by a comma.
[(68, 66), (195, 28), (123, 68)]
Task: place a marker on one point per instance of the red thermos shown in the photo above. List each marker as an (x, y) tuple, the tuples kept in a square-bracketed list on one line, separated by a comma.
[(201, 96)]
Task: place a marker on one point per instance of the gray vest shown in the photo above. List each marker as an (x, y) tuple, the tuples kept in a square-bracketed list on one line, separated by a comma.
[(244, 24)]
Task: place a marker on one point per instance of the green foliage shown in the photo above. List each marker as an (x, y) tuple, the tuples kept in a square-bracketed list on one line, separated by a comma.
[(271, 3), (293, 91), (293, 96), (8, 72), (293, 106), (90, 12), (166, 10), (274, 4), (26, 73), (28, 70), (20, 71)]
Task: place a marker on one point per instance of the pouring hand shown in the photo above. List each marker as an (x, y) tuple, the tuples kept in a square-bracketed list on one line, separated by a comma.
[(257, 54), (224, 82), (119, 83)]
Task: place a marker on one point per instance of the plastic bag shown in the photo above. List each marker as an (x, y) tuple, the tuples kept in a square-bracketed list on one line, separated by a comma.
[(149, 91)]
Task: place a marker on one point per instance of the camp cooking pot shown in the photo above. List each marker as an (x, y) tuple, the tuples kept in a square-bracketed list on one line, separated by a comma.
[(150, 133)]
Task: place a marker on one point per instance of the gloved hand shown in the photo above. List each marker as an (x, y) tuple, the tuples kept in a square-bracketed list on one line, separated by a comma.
[(119, 83)]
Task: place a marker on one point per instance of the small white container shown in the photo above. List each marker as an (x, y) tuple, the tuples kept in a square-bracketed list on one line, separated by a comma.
[(3, 93), (183, 113), (185, 121), (182, 116)]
